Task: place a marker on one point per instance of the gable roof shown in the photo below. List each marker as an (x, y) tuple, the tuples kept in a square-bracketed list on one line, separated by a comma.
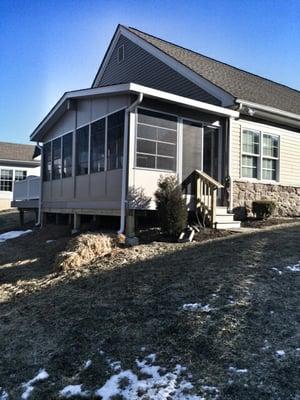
[(239, 83), (18, 152)]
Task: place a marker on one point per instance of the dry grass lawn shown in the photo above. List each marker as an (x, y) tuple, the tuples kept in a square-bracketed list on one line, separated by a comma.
[(134, 300)]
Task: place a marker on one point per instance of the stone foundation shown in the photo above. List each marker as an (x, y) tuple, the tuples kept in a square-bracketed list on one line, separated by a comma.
[(286, 198)]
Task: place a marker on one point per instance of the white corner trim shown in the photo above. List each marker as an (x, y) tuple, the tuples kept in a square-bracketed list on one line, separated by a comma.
[(226, 98)]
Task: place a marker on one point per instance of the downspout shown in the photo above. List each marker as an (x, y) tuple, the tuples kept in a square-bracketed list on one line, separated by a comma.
[(239, 108), (125, 161), (38, 223)]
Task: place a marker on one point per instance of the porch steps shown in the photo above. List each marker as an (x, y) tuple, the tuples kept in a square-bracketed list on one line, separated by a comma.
[(225, 220)]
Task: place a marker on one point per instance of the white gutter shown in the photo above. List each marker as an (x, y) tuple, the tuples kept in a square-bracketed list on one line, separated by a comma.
[(125, 161), (271, 110), (136, 89)]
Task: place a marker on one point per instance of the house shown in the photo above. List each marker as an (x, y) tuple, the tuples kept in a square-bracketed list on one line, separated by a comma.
[(17, 162), (155, 109)]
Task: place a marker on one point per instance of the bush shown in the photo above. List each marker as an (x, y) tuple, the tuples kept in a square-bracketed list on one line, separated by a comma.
[(263, 208), (170, 206)]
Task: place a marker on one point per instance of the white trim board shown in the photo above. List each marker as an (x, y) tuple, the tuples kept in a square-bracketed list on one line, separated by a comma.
[(226, 98), (136, 89)]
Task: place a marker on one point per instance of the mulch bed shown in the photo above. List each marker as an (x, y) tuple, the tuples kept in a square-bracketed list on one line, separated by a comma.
[(262, 223)]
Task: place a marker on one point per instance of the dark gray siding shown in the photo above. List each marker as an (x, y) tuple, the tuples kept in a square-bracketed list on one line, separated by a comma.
[(141, 67)]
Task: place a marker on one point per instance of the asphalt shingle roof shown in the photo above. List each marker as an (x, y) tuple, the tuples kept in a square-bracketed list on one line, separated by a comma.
[(240, 84), (18, 152)]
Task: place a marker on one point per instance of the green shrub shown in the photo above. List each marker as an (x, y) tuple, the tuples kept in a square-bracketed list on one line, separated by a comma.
[(263, 208), (170, 206)]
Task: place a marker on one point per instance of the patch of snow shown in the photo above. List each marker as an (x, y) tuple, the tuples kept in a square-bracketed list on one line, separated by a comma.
[(238, 370), (294, 268), (277, 270), (50, 241), (143, 349), (12, 235), (156, 385), (266, 345), (196, 307), (3, 394), (28, 388), (280, 353), (73, 390), (87, 364), (211, 390)]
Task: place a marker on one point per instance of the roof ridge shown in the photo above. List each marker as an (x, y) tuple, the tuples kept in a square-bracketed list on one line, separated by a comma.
[(18, 144), (211, 58)]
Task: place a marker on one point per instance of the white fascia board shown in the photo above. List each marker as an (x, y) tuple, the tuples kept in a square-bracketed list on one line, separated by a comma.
[(135, 88), (226, 98), (185, 101), (115, 89), (271, 110)]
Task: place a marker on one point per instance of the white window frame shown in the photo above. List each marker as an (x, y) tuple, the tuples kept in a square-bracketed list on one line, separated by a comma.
[(156, 141), (260, 156)]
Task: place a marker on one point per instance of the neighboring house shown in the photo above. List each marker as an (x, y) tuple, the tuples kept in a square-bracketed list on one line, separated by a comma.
[(156, 108), (17, 162)]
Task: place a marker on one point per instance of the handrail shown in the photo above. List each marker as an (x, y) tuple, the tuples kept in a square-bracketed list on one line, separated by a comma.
[(205, 197)]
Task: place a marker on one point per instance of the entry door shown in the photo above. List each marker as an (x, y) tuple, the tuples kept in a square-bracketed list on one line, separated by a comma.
[(211, 152), (192, 133)]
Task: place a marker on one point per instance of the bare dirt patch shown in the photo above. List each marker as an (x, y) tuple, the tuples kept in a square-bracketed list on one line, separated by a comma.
[(131, 304)]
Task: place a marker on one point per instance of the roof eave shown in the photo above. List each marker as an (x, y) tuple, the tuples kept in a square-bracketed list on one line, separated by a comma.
[(62, 106), (270, 113)]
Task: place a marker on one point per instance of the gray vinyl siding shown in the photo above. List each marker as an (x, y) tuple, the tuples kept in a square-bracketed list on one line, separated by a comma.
[(142, 68), (100, 190)]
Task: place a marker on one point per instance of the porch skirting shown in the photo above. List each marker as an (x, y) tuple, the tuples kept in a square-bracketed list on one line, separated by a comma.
[(286, 198)]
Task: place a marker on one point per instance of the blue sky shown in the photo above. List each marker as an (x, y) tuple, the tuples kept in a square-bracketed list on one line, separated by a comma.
[(49, 47)]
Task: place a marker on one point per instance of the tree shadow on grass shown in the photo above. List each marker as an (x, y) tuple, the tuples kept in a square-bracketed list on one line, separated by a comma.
[(119, 310)]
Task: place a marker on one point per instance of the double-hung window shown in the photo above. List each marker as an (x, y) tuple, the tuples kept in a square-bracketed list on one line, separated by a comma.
[(156, 142), (20, 175), (250, 156), (270, 157), (6, 180), (260, 155)]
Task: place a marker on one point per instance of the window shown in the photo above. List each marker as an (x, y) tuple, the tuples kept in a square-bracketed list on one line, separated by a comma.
[(156, 142), (56, 159), (47, 167), (260, 155), (115, 134), (270, 157), (20, 175), (82, 150), (97, 146), (67, 141), (6, 180), (250, 154), (121, 53)]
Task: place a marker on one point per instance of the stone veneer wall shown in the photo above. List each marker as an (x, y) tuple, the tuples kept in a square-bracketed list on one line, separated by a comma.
[(286, 198)]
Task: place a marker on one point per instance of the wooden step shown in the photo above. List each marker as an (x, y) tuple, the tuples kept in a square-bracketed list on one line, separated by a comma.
[(228, 225), (224, 217), (221, 210)]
